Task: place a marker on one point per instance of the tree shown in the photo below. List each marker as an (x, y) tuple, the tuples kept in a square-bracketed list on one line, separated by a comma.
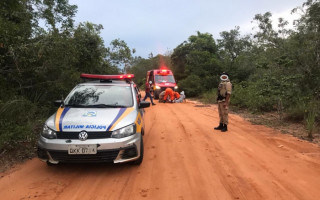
[(40, 65), (120, 54), (235, 52), (89, 48), (197, 56), (58, 14)]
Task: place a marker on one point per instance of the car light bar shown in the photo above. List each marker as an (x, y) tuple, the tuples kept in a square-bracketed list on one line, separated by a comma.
[(164, 72), (107, 77)]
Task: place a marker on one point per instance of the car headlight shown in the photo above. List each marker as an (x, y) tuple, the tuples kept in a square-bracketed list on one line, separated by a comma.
[(124, 132), (175, 87), (48, 133), (158, 87)]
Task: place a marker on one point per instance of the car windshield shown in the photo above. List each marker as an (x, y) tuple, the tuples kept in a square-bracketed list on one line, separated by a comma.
[(100, 96), (164, 79)]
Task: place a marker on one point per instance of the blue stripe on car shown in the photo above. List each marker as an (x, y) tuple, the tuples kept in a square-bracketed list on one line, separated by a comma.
[(62, 116), (121, 111)]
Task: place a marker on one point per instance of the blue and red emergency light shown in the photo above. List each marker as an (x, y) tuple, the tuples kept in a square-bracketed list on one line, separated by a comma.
[(107, 77)]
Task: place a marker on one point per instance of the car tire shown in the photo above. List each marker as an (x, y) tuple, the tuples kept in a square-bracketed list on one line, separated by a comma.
[(139, 161)]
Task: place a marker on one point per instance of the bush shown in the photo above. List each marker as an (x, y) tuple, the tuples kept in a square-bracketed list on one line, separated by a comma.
[(191, 86), (311, 118), (240, 95), (209, 97), (297, 111), (253, 97), (19, 122)]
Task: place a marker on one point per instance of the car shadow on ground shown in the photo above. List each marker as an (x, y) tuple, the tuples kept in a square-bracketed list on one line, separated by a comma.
[(90, 168)]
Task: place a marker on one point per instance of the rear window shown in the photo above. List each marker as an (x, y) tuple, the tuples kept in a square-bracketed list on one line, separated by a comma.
[(99, 95)]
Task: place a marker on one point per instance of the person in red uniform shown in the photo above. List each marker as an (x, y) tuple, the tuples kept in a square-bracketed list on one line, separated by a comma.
[(169, 92), (148, 94), (176, 95)]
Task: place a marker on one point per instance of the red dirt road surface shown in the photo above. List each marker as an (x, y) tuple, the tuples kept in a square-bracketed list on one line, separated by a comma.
[(184, 159)]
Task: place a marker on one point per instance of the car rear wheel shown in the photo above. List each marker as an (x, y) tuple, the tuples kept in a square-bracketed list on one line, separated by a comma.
[(139, 161)]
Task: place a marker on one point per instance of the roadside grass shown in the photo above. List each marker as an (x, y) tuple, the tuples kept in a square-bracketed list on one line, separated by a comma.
[(299, 120), (209, 97), (18, 144), (20, 123), (310, 120), (272, 119)]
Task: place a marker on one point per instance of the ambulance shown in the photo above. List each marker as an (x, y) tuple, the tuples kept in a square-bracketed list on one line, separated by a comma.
[(161, 79)]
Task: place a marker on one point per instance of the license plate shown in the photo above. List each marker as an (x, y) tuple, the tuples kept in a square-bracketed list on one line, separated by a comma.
[(82, 149)]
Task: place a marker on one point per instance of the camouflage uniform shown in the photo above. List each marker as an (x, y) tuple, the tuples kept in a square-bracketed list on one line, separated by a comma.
[(224, 88)]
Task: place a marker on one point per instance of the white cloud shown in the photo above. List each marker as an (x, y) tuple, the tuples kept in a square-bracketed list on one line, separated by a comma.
[(251, 27)]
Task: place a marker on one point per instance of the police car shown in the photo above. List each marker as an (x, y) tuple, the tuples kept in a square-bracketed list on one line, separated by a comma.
[(101, 120)]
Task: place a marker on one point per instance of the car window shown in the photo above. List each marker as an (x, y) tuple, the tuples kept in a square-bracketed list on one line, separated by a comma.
[(100, 96), (164, 79)]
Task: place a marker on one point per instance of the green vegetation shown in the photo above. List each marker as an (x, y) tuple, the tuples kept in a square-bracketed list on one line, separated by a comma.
[(271, 70), (39, 65)]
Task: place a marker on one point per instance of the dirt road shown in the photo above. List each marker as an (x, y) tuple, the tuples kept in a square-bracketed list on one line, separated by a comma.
[(184, 159)]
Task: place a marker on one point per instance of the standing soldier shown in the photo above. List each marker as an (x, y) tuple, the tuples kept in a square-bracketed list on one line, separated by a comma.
[(224, 93)]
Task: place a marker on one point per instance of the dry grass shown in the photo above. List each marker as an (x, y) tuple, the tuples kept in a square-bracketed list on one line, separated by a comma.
[(272, 120), (10, 157)]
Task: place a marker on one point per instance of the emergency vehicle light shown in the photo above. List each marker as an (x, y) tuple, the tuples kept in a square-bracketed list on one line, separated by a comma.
[(107, 77), (164, 72)]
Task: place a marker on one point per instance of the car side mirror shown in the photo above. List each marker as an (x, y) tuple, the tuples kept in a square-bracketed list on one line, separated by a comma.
[(144, 104), (58, 103)]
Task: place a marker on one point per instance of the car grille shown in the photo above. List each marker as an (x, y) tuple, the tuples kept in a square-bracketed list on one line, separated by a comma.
[(101, 156), (164, 88), (91, 135)]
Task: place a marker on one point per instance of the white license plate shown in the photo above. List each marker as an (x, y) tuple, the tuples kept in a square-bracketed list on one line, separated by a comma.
[(82, 149)]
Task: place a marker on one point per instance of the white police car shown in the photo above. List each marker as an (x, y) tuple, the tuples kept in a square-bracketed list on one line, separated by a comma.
[(100, 121)]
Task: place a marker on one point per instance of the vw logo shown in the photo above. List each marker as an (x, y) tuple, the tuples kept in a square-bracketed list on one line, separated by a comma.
[(83, 135)]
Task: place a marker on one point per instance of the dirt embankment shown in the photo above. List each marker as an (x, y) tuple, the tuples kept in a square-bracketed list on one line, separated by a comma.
[(184, 159)]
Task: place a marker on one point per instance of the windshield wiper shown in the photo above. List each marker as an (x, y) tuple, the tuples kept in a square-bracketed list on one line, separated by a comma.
[(96, 106), (107, 106), (75, 105)]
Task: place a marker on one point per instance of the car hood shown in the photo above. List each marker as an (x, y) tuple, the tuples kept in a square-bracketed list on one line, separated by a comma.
[(91, 119)]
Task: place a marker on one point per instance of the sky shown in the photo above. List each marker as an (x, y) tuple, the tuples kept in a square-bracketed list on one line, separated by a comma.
[(160, 26)]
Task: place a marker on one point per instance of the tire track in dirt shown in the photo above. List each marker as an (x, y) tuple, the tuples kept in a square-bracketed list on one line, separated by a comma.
[(292, 193), (184, 159), (229, 178)]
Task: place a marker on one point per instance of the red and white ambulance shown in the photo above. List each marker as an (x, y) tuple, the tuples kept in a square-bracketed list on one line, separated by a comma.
[(161, 79)]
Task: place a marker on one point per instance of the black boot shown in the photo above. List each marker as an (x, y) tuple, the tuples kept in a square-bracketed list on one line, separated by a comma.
[(219, 127), (225, 128)]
